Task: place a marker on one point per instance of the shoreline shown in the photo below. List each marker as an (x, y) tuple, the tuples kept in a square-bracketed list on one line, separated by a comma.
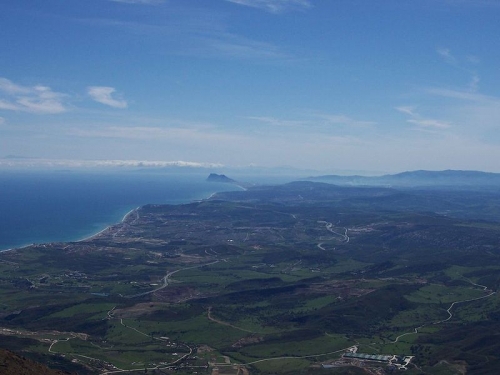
[(16, 248), (217, 192), (86, 238), (91, 236), (210, 197)]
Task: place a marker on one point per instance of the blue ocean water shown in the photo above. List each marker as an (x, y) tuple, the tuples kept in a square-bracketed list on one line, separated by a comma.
[(40, 207)]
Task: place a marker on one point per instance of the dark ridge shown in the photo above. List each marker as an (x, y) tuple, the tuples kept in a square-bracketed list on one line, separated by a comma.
[(214, 177), (13, 364)]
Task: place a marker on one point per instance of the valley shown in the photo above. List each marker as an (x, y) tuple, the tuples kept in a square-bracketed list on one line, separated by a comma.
[(298, 278)]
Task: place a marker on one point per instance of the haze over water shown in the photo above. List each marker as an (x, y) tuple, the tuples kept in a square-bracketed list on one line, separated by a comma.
[(45, 207)]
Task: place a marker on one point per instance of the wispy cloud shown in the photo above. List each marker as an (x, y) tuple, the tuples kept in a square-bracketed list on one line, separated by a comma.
[(232, 46), (430, 123), (33, 99), (104, 95), (407, 110), (2, 120), (477, 111), (107, 163), (312, 124), (446, 55), (462, 64), (187, 133), (133, 132), (422, 122), (345, 120), (465, 95), (474, 83), (273, 121), (473, 59), (198, 34), (275, 6), (9, 87)]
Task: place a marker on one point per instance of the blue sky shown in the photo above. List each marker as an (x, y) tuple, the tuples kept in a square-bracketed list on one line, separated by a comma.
[(331, 85)]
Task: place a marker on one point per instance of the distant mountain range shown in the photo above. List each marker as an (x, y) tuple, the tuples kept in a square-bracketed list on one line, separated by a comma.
[(421, 178)]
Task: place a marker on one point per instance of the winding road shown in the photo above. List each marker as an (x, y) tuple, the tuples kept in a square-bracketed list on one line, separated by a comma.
[(329, 227), (415, 330), (167, 276)]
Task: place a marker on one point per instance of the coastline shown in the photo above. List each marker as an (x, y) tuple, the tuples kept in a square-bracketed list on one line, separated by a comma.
[(93, 233), (216, 192), (92, 236), (210, 197), (86, 238), (16, 248)]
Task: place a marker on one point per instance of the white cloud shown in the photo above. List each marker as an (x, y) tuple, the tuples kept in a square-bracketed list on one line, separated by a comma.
[(474, 83), (345, 120), (33, 99), (465, 95), (446, 55), (199, 33), (69, 163), (185, 134), (104, 95), (275, 6), (11, 88), (133, 132), (449, 58), (311, 121), (408, 110), (473, 59), (422, 122), (2, 121), (232, 46), (276, 121), (477, 111), (430, 123), (310, 125), (9, 106)]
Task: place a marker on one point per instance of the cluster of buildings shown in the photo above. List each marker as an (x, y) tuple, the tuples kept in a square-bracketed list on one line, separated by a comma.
[(394, 362)]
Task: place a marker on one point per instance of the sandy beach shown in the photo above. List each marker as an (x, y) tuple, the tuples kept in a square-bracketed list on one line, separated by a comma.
[(166, 192), (108, 227)]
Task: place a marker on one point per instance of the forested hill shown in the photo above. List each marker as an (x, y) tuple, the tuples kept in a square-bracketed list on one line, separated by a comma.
[(13, 364), (458, 203)]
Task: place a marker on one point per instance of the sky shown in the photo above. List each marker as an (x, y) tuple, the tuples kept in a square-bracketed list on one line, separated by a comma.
[(330, 85)]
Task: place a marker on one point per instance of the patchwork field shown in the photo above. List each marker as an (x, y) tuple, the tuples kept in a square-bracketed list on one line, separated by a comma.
[(261, 283)]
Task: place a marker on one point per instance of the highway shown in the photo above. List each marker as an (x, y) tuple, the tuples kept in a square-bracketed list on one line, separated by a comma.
[(167, 277)]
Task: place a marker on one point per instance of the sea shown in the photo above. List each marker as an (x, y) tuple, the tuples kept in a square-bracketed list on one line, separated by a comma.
[(59, 206)]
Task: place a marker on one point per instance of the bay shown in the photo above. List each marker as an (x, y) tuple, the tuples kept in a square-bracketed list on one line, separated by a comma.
[(42, 207)]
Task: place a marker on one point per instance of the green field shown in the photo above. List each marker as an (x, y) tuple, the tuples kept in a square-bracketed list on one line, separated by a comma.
[(245, 282)]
